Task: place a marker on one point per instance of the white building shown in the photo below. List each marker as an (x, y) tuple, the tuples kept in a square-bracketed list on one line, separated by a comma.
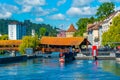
[(108, 21), (33, 32), (93, 34), (106, 24), (16, 31)]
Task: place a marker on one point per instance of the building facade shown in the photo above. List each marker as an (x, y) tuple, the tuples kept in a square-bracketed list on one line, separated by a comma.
[(106, 25), (16, 31), (96, 30), (93, 33), (61, 33)]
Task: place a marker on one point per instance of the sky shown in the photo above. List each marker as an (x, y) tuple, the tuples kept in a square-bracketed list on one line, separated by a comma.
[(57, 13)]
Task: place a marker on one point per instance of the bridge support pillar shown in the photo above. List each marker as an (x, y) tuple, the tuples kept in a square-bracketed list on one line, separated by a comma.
[(13, 53)]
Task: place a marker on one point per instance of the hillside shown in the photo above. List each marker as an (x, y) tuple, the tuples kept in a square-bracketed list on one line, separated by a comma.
[(50, 30)]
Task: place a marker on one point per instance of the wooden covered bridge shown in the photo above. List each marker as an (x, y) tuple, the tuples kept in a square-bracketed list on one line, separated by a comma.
[(59, 44), (10, 44), (48, 44)]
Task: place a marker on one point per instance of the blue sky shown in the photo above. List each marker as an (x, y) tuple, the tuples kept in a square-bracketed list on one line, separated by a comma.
[(54, 12)]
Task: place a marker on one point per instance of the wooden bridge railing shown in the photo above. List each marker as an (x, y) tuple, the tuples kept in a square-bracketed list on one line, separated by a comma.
[(9, 48)]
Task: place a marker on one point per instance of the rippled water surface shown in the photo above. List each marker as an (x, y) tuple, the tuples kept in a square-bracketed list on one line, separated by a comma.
[(52, 69)]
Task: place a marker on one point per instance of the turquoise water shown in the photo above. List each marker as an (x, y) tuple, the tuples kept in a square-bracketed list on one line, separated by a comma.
[(51, 69)]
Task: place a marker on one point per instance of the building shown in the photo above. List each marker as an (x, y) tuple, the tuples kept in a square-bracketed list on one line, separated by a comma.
[(0, 34), (61, 33), (106, 24), (108, 21), (33, 32), (16, 31), (71, 30), (93, 33)]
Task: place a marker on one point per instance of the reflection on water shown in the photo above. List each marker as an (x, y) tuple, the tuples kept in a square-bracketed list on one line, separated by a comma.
[(52, 69), (111, 66)]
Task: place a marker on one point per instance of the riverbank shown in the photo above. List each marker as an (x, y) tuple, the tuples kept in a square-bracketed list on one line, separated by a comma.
[(99, 58), (4, 60)]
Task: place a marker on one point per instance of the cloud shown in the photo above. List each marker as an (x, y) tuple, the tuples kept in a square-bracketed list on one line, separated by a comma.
[(61, 2), (7, 10), (54, 9), (83, 11), (28, 5), (5, 15), (81, 8), (102, 1), (31, 2), (81, 2), (26, 8), (39, 20), (117, 8), (38, 11), (58, 16), (34, 7)]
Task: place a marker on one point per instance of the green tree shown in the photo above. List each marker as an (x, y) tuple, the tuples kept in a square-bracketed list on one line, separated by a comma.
[(42, 31), (82, 25), (29, 42), (113, 34), (105, 10), (4, 37)]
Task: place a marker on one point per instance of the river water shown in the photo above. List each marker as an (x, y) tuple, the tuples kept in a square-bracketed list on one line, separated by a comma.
[(52, 69)]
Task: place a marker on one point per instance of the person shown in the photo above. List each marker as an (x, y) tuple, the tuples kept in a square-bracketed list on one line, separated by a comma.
[(95, 57), (61, 55)]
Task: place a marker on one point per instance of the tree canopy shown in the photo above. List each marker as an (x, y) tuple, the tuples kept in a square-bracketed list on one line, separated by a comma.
[(29, 26), (113, 34), (4, 37), (82, 23), (104, 10), (42, 31), (29, 42)]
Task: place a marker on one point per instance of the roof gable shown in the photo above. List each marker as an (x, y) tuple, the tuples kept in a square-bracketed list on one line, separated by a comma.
[(71, 28)]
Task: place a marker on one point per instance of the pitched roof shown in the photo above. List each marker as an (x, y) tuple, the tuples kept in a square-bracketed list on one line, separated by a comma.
[(62, 40), (111, 16), (94, 26), (10, 42), (71, 28)]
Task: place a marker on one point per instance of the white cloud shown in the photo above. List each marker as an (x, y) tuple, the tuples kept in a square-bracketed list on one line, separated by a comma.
[(26, 8), (117, 8), (61, 2), (108, 1), (7, 10), (5, 15), (83, 11), (104, 0), (38, 11), (27, 5), (39, 20), (31, 2), (7, 7), (81, 2), (54, 9), (57, 17)]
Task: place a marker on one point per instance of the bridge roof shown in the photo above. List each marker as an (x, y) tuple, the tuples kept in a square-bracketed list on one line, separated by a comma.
[(67, 41), (10, 42)]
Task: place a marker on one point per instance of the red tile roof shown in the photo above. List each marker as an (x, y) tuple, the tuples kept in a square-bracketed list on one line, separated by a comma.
[(62, 41), (71, 28)]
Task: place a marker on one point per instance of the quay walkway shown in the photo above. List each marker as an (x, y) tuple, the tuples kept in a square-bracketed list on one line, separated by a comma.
[(99, 58)]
